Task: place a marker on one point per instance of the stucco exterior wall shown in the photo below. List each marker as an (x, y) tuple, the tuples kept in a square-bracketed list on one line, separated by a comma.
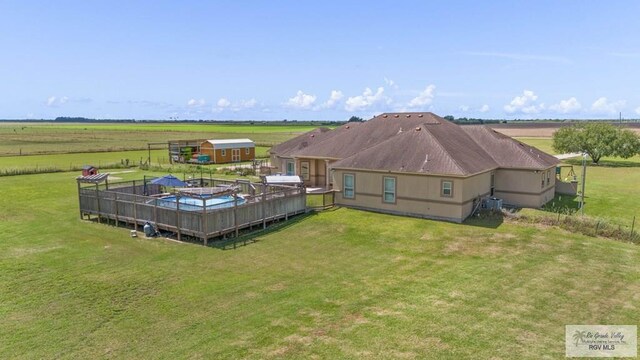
[(416, 195), (524, 188)]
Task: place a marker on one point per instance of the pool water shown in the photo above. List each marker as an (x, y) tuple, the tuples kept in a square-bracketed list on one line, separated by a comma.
[(190, 203)]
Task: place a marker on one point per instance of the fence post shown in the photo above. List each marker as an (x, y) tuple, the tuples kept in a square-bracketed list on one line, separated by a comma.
[(115, 205), (98, 200), (264, 206), (633, 223), (178, 217), (597, 226), (135, 213)]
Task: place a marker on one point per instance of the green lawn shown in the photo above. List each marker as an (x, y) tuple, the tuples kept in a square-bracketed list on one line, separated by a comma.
[(339, 284), (68, 161), (543, 144), (30, 138)]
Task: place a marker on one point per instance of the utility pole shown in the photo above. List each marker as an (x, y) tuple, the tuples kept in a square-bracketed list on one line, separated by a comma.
[(584, 178)]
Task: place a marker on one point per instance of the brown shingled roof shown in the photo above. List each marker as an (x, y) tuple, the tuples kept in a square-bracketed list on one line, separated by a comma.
[(436, 148), (313, 137), (508, 152), (416, 142)]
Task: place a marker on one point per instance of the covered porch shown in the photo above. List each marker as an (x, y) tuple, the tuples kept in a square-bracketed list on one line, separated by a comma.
[(314, 172)]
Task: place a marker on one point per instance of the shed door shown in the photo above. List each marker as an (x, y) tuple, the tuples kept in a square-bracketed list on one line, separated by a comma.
[(235, 155)]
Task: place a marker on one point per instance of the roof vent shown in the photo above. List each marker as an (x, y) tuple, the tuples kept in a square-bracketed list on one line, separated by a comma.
[(313, 135), (408, 115), (418, 128), (396, 115), (420, 115), (385, 115), (346, 127)]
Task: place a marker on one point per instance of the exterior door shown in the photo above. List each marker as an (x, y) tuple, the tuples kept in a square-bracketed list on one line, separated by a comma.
[(235, 155)]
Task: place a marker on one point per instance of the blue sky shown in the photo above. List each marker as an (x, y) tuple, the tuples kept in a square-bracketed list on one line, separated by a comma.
[(319, 60)]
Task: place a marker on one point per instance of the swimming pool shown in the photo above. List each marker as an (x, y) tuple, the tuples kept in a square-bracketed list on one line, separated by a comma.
[(192, 204)]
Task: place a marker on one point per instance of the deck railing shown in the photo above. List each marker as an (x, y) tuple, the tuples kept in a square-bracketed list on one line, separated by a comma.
[(136, 203)]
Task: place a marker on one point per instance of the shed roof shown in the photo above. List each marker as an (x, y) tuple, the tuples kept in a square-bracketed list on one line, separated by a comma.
[(231, 143)]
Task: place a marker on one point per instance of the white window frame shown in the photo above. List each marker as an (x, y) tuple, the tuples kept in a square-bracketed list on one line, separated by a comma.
[(385, 191), (443, 188), (293, 167), (247, 151), (223, 152), (349, 192)]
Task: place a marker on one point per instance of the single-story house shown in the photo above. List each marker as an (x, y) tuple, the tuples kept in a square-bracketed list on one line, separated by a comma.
[(228, 150), (418, 164)]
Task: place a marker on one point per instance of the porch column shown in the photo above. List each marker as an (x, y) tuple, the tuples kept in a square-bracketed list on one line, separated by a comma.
[(326, 174)]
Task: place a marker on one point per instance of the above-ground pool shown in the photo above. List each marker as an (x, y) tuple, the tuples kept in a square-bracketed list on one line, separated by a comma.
[(191, 203)]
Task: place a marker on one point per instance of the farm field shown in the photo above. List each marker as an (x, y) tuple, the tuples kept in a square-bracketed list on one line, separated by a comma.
[(37, 138), (338, 284), (75, 160)]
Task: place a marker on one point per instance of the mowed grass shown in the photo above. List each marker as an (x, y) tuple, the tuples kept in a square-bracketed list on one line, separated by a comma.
[(611, 192), (30, 138), (339, 284), (74, 160), (540, 143)]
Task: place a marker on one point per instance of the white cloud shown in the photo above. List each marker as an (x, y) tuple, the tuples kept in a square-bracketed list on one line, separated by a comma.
[(196, 103), (424, 98), (390, 83), (54, 101), (223, 103), (524, 104), (248, 104), (567, 106), (366, 100), (484, 108), (464, 108), (301, 101), (334, 98), (603, 106), (638, 110)]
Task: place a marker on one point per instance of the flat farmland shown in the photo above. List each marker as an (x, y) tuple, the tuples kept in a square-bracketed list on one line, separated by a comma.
[(542, 129), (47, 138)]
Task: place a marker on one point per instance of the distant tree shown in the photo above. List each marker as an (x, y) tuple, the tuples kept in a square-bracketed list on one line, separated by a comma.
[(449, 117), (597, 140), (355, 119)]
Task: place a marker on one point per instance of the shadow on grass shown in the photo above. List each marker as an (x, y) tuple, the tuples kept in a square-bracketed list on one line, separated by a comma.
[(563, 204), (614, 163), (485, 219), (251, 236)]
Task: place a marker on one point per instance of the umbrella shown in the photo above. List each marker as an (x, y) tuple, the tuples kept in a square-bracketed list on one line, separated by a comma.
[(169, 180)]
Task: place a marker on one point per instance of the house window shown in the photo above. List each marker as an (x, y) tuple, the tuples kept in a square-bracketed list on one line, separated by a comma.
[(247, 151), (349, 186), (548, 177), (389, 190), (542, 185), (291, 169), (447, 188), (304, 170), (223, 152)]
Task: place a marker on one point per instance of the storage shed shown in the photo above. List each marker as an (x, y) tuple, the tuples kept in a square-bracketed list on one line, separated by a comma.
[(89, 170), (228, 150)]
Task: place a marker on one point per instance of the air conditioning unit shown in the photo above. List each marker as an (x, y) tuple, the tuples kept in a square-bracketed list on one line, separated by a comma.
[(492, 203)]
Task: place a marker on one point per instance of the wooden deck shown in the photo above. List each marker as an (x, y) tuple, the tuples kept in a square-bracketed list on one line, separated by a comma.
[(134, 203)]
